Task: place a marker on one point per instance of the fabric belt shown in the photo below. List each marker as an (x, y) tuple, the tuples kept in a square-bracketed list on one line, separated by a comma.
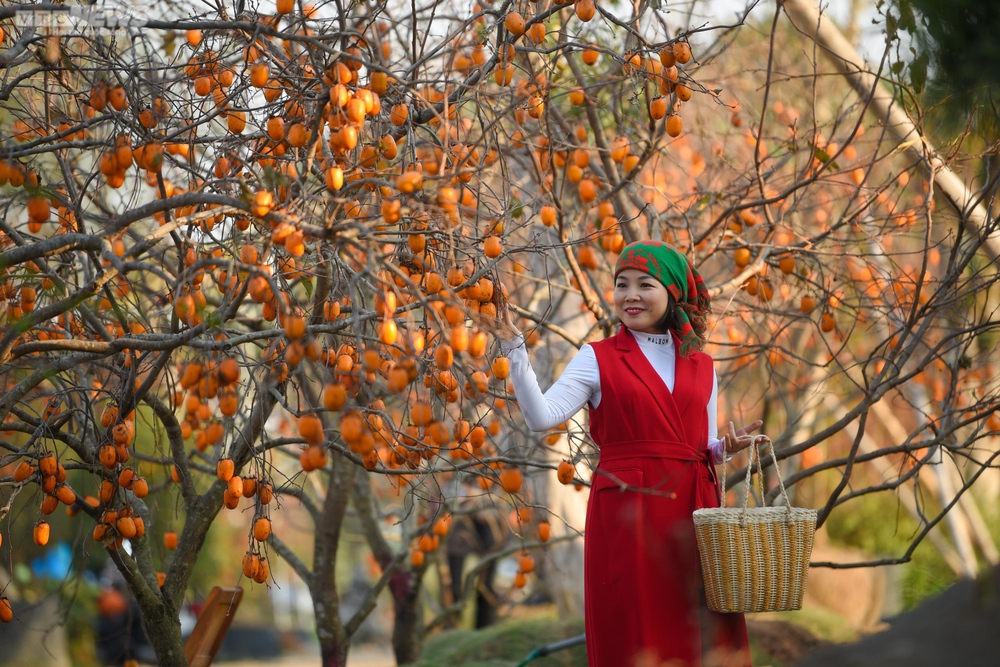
[(657, 449)]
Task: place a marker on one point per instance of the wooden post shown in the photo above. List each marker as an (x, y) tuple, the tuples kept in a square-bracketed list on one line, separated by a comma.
[(213, 623)]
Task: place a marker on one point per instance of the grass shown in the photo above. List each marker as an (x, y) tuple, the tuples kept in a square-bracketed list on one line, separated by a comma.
[(507, 643)]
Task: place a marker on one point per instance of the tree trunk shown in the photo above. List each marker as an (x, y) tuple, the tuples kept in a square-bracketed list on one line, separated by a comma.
[(960, 531), (159, 615), (334, 642), (163, 627), (408, 623), (404, 585), (333, 653)]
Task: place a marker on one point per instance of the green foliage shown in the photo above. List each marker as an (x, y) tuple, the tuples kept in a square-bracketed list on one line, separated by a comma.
[(925, 577), (954, 60), (918, 71), (508, 643), (877, 525), (962, 38), (505, 645)]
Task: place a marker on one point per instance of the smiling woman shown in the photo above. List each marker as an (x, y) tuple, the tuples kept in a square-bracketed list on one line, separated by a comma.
[(641, 301), (644, 305), (652, 397)]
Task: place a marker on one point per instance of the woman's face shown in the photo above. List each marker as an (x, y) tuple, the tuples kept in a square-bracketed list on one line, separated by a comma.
[(640, 300)]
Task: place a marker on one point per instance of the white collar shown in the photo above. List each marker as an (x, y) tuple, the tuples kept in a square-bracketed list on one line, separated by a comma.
[(654, 339)]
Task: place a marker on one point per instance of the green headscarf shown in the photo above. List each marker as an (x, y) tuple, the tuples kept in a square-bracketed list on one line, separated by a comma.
[(672, 268)]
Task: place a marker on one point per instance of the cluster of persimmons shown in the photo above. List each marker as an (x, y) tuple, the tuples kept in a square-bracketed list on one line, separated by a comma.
[(324, 194)]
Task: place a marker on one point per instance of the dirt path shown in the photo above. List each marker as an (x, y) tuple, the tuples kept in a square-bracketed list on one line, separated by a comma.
[(361, 656)]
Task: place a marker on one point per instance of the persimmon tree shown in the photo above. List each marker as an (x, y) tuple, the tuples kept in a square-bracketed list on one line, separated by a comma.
[(274, 241)]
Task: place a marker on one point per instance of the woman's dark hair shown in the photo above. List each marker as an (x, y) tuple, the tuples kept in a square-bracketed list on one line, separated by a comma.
[(670, 321)]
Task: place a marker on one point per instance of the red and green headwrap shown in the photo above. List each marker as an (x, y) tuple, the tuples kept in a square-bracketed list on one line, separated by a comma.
[(672, 268)]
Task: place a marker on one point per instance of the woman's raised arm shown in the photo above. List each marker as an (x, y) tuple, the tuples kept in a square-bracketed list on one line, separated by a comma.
[(575, 387), (565, 398)]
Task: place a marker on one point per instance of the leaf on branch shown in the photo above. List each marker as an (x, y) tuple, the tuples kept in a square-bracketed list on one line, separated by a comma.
[(891, 29), (918, 71), (820, 154), (516, 207), (907, 21)]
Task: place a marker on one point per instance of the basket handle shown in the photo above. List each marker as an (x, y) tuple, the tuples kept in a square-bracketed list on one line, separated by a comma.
[(722, 490), (755, 450)]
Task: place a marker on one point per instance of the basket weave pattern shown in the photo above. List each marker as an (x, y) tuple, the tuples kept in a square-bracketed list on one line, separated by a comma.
[(755, 559)]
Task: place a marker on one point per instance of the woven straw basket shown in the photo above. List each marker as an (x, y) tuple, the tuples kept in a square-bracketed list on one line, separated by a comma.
[(755, 558)]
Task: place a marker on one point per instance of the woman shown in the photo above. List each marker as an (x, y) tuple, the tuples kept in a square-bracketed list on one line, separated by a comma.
[(652, 403)]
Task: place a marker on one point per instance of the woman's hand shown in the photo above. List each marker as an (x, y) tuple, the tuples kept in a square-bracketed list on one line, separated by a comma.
[(738, 440), (505, 326)]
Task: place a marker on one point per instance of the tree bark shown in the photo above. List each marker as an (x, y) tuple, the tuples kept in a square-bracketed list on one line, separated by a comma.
[(978, 528), (408, 622), (404, 585), (160, 617), (334, 641), (960, 530), (163, 627)]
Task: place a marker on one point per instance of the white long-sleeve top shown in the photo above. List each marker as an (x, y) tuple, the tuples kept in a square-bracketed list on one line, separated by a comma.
[(580, 383)]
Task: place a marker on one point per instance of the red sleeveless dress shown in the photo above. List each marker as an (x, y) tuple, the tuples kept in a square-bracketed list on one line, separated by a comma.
[(644, 601)]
